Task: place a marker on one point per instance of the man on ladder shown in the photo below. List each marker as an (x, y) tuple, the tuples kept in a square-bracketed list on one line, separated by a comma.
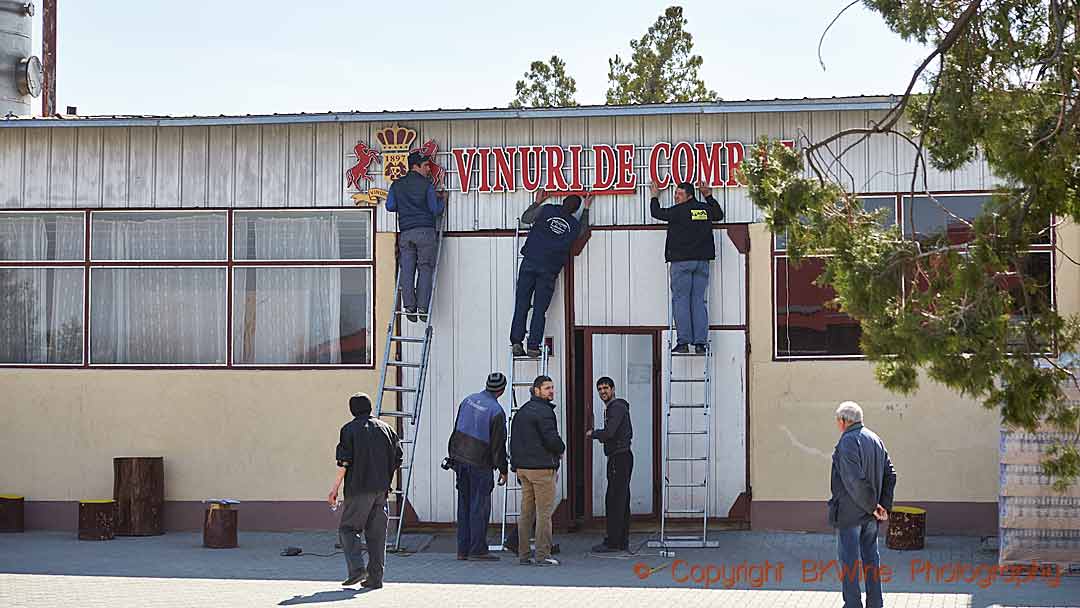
[(414, 199), (689, 249), (554, 230)]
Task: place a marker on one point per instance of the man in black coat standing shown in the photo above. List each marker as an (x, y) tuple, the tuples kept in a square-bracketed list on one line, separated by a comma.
[(615, 436), (368, 453)]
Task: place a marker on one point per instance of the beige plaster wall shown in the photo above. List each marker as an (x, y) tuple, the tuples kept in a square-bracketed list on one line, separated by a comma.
[(944, 447), (250, 435)]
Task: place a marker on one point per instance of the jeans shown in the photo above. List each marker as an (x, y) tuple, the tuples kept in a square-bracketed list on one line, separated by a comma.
[(620, 468), (536, 286), (416, 247), (474, 486), (537, 506), (689, 283), (364, 513), (858, 553)]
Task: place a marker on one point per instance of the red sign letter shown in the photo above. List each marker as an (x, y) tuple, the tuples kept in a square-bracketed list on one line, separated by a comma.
[(485, 169), (735, 154), (464, 157), (603, 166), (530, 182), (504, 169), (710, 163), (555, 179), (654, 165), (627, 177), (575, 168), (682, 163)]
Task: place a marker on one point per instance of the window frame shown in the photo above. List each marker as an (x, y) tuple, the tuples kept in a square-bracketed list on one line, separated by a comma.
[(900, 200), (229, 264)]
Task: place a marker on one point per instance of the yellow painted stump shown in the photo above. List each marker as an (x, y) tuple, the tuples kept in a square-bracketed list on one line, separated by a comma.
[(11, 513), (907, 529), (219, 527)]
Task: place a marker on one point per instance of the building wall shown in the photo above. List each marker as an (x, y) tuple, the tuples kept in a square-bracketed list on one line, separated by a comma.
[(944, 447), (264, 437)]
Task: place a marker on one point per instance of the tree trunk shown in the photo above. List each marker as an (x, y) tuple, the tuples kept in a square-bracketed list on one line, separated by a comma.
[(97, 519), (139, 491), (11, 513), (907, 529), (219, 527)]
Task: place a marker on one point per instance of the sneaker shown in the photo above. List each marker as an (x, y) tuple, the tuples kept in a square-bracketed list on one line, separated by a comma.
[(681, 349), (518, 349), (410, 313), (354, 578), (421, 313), (534, 351), (370, 584), (525, 561), (701, 349), (484, 557), (603, 548), (550, 561)]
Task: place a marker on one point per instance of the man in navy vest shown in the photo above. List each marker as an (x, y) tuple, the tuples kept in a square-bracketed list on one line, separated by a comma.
[(413, 198), (477, 447), (554, 230)]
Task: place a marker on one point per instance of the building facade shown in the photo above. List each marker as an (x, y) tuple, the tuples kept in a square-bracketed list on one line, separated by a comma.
[(212, 289)]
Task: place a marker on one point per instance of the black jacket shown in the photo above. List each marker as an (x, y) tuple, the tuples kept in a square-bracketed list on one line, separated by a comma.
[(690, 230), (617, 431), (370, 452), (862, 478), (534, 437)]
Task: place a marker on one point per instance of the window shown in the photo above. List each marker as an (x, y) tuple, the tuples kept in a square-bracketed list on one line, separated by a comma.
[(807, 327), (186, 288), (42, 288)]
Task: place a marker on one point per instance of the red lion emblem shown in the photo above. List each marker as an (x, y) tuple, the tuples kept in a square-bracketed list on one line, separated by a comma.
[(364, 157), (430, 149)]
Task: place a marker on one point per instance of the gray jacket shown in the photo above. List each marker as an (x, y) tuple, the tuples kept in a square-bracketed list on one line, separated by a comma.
[(862, 478)]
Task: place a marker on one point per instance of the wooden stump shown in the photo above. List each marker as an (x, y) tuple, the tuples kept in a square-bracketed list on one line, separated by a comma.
[(11, 513), (97, 519), (219, 527), (139, 492), (907, 529)]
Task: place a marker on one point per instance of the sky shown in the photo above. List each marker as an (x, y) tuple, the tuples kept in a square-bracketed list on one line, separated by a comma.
[(202, 57)]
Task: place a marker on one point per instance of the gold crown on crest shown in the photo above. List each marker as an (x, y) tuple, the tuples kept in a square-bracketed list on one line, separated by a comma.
[(395, 139)]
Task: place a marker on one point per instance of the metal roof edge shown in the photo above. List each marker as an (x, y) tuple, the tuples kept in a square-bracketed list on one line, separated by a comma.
[(731, 107)]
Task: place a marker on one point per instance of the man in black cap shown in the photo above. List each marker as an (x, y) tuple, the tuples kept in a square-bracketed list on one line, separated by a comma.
[(414, 199), (368, 453), (477, 447)]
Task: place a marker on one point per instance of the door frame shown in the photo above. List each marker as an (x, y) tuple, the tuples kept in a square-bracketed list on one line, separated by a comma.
[(657, 407)]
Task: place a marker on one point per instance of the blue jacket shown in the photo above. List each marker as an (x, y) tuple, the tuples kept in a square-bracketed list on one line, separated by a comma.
[(479, 436), (862, 478), (551, 236), (413, 198)]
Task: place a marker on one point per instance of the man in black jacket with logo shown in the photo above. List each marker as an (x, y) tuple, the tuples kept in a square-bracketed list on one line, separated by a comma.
[(689, 249), (616, 436), (368, 453), (535, 451)]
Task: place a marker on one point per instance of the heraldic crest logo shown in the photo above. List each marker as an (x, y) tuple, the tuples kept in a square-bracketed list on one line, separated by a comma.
[(395, 144)]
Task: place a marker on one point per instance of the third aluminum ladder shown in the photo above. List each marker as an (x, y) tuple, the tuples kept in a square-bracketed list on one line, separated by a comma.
[(519, 380), (687, 448)]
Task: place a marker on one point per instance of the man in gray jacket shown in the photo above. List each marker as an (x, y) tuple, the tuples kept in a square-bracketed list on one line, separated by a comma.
[(863, 480)]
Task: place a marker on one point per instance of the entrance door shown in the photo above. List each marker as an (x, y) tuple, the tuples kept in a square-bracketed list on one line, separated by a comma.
[(629, 360)]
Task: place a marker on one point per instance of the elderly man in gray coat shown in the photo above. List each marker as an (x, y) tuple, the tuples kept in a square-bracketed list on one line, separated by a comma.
[(863, 480)]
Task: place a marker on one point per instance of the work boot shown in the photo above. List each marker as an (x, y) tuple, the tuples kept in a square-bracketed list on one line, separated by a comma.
[(410, 313), (353, 579), (370, 584), (525, 561), (681, 349), (518, 349), (603, 548), (701, 349), (534, 352), (421, 314)]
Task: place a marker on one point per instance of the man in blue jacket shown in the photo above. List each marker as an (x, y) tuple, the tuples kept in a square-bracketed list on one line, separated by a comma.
[(554, 230), (414, 199), (477, 446), (863, 480)]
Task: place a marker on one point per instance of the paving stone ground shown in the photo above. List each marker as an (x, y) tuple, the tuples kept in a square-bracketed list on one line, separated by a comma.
[(49, 569)]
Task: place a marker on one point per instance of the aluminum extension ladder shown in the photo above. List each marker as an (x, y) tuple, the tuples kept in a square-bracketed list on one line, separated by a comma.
[(520, 378), (413, 353), (688, 422)]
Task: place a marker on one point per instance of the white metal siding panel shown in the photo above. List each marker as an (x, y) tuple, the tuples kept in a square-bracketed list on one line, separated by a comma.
[(167, 168), (300, 184), (853, 166), (329, 171), (11, 167), (490, 207), (248, 166), (62, 168), (657, 129), (739, 208), (461, 211), (222, 179), (141, 189), (599, 131), (115, 180), (727, 292), (195, 167), (648, 285), (38, 168), (520, 133), (881, 160), (275, 155), (88, 168), (629, 209)]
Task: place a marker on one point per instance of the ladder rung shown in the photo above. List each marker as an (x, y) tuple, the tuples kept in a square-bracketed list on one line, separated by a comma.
[(688, 379), (686, 485), (393, 517), (687, 406), (397, 414), (513, 514), (687, 432), (528, 358), (406, 339), (688, 459), (689, 354), (522, 384), (401, 313), (398, 363), (399, 389), (686, 512)]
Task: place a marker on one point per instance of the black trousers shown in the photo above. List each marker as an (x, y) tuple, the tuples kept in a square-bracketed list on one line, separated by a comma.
[(619, 469)]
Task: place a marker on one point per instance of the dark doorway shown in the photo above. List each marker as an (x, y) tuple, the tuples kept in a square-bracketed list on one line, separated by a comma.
[(578, 422)]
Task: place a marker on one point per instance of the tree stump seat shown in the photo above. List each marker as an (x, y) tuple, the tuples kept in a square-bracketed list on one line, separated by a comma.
[(220, 524), (139, 492), (907, 529), (97, 519), (11, 513)]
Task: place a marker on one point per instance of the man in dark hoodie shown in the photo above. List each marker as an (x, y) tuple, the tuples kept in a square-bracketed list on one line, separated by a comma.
[(368, 453), (689, 249), (616, 436), (535, 452), (414, 199), (477, 447), (554, 230)]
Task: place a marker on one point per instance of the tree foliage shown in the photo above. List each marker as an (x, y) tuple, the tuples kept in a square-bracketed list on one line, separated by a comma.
[(546, 85), (1001, 79), (662, 68)]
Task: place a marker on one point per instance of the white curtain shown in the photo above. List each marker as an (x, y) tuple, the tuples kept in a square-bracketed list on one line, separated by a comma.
[(35, 328), (158, 315), (289, 315)]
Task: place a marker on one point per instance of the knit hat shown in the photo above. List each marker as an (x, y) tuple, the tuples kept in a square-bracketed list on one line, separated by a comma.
[(496, 382)]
